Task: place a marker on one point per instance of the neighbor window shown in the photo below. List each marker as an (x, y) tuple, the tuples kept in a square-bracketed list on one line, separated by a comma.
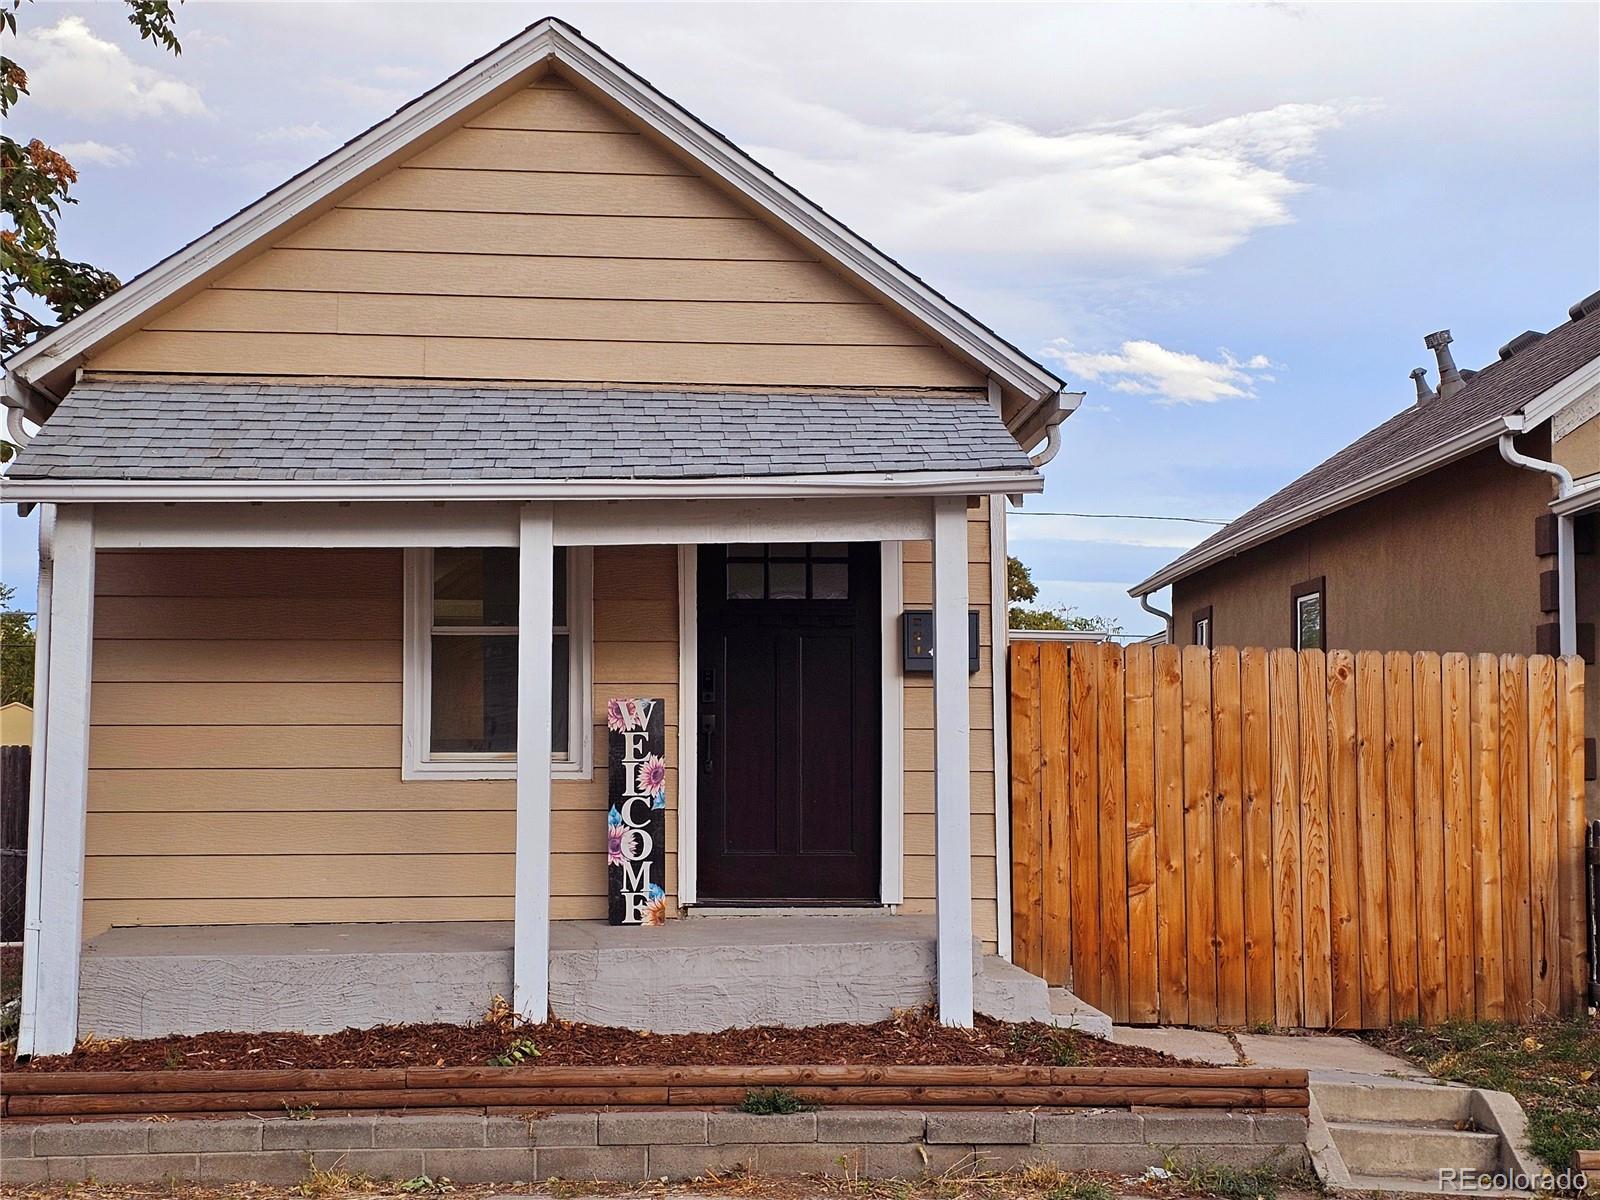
[(461, 663), (1308, 615), (1202, 627)]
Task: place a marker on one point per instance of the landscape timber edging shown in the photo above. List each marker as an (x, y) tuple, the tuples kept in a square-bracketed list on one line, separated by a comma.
[(638, 1145), (147, 1093)]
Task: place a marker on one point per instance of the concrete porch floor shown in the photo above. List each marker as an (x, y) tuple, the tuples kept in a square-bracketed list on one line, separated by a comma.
[(685, 976)]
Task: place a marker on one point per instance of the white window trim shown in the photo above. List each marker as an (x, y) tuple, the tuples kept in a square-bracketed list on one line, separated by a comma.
[(416, 762), (1299, 626)]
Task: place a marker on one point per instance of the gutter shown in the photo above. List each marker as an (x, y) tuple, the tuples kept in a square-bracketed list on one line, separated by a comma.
[(1459, 446), (1166, 617), (1566, 567), (161, 491)]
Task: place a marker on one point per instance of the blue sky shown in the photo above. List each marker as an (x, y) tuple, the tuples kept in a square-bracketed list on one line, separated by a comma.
[(1230, 225)]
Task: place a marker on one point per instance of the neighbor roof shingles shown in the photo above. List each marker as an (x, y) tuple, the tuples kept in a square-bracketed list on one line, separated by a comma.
[(244, 430), (1502, 388)]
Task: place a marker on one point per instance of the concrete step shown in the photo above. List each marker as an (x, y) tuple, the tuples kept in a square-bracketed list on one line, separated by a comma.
[(1412, 1151), (1391, 1100), (1006, 992), (1069, 1012), (1408, 1185)]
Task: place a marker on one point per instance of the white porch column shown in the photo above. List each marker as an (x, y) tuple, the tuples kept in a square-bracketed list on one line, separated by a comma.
[(58, 805), (952, 761), (530, 960)]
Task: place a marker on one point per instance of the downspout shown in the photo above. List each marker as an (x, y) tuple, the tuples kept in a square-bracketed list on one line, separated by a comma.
[(1566, 570), (1172, 632), (32, 919)]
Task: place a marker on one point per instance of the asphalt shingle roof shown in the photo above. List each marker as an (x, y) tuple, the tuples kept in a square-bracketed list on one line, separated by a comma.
[(1502, 388), (256, 430)]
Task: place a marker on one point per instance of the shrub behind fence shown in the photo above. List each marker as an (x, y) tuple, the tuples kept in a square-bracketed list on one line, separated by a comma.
[(1266, 837)]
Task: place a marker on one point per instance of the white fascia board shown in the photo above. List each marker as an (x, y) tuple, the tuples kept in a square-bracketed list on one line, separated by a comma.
[(547, 39), (1370, 485), (153, 491), (1571, 389), (1584, 496)]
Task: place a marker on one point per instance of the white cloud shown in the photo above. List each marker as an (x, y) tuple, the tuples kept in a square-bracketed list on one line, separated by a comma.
[(71, 70), (1147, 368), (97, 154), (292, 134), (1165, 535), (1158, 191)]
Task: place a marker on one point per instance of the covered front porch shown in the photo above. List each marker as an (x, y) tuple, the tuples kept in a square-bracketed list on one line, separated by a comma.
[(700, 974), (733, 970)]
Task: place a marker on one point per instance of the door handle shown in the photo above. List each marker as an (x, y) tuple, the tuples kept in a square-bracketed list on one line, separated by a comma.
[(708, 727)]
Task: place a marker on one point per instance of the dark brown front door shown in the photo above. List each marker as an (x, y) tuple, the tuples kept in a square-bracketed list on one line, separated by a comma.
[(789, 723)]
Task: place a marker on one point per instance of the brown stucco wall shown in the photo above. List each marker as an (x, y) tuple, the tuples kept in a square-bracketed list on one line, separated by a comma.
[(1443, 563)]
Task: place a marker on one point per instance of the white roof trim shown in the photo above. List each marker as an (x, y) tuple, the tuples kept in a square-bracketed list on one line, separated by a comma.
[(1303, 514), (1538, 410), (160, 491), (547, 39)]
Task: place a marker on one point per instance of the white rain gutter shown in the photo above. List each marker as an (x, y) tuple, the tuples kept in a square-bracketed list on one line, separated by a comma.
[(32, 922), (1566, 582), (1172, 633)]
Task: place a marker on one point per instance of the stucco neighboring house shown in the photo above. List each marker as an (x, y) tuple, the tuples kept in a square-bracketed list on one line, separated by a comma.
[(1466, 522), (361, 509)]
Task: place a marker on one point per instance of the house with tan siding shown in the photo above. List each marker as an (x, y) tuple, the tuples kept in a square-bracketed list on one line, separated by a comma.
[(1465, 523), (374, 518)]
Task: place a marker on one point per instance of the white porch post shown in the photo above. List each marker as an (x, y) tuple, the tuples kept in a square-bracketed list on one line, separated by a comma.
[(53, 936), (530, 962), (952, 761)]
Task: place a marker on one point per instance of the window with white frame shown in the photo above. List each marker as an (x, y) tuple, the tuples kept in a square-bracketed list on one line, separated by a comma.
[(1202, 627), (1308, 615), (461, 663)]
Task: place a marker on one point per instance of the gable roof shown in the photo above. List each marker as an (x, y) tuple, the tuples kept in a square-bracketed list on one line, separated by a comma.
[(198, 433), (481, 82), (1408, 444)]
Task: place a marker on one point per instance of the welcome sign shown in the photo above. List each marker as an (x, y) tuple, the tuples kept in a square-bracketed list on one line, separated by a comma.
[(636, 825)]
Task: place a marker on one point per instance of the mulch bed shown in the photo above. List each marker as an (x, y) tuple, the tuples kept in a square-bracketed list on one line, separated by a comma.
[(912, 1039)]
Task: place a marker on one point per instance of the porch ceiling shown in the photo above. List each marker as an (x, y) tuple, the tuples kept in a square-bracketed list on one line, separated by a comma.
[(253, 430)]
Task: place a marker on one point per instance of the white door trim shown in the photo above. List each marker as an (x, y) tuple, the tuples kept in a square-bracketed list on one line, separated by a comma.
[(891, 881)]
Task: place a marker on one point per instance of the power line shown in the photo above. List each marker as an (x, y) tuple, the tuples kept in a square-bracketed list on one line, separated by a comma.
[(1046, 512)]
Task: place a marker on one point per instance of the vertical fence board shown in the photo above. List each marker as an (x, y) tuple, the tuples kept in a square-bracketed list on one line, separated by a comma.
[(1334, 840), (1372, 839), (1570, 854), (1085, 824), (1399, 755), (1316, 902), (1138, 675), (1344, 889), (1256, 724), (1227, 748), (1428, 780), (1113, 835), (1172, 969), (1514, 849), (1489, 979), (1054, 814), (1287, 890), (1458, 837), (1200, 876), (1543, 834), (1030, 858)]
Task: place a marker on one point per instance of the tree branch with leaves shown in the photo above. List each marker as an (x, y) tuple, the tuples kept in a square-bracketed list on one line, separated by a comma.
[(1022, 591), (36, 181)]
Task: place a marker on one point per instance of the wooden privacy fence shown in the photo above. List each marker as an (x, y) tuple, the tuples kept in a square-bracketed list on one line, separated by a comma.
[(1244, 837)]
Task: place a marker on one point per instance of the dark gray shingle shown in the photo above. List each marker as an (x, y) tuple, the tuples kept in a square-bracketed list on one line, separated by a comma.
[(251, 430)]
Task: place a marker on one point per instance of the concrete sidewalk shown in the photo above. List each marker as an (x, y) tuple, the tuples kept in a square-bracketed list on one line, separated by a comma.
[(1328, 1058)]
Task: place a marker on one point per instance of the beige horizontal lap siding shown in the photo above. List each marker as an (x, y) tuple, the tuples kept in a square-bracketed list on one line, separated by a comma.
[(245, 749), (547, 240), (919, 779)]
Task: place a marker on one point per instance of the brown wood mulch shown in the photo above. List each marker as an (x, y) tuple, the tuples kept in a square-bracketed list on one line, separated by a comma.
[(911, 1039)]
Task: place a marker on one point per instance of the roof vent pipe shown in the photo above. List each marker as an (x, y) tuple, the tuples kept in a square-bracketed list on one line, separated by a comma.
[(1450, 381), (1419, 376)]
